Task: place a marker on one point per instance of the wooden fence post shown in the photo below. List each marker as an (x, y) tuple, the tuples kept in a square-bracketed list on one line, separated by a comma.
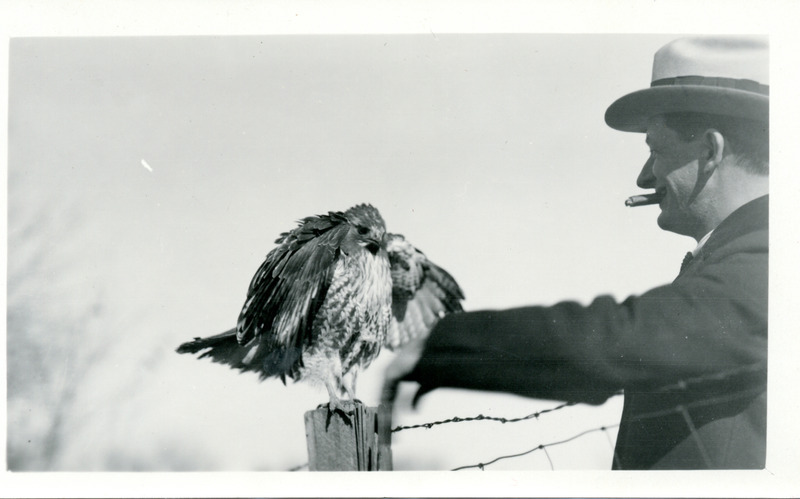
[(359, 442)]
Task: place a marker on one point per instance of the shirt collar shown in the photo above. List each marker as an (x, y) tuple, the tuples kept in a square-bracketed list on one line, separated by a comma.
[(701, 243)]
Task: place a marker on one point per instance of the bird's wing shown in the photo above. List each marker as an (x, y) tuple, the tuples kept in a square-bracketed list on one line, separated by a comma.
[(422, 293), (287, 291)]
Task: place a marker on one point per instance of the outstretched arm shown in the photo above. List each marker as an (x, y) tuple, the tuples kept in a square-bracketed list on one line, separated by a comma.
[(711, 322)]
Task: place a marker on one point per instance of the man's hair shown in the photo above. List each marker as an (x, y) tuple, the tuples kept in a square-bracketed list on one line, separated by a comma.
[(747, 139)]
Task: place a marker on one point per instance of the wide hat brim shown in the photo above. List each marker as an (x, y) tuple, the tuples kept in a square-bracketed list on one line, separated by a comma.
[(631, 112)]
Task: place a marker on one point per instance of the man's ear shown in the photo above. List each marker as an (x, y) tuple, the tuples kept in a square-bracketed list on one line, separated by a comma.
[(715, 144)]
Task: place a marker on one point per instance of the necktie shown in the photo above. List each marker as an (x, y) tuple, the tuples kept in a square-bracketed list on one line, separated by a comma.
[(686, 261)]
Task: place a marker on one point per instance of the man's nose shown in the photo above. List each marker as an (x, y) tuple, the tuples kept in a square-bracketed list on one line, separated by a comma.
[(646, 179)]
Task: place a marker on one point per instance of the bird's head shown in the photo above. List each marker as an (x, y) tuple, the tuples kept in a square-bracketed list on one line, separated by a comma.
[(367, 228)]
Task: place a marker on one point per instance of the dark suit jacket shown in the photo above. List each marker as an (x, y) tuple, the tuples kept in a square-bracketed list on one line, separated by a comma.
[(690, 356)]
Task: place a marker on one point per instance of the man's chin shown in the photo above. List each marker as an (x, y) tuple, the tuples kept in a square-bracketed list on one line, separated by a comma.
[(663, 223), (668, 224)]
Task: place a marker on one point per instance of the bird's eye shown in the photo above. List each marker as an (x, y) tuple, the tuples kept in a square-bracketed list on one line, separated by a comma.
[(363, 230)]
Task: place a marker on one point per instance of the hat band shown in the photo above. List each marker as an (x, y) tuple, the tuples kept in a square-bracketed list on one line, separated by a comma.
[(715, 81)]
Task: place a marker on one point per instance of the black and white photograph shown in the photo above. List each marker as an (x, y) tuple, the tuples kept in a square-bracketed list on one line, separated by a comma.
[(477, 260)]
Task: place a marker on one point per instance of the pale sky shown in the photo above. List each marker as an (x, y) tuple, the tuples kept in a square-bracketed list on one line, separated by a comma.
[(154, 174), (489, 152)]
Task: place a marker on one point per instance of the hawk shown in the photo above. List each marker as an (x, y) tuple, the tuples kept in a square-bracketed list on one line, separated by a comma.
[(335, 290)]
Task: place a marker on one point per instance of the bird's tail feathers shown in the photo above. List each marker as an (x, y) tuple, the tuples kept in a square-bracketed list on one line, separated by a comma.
[(224, 348)]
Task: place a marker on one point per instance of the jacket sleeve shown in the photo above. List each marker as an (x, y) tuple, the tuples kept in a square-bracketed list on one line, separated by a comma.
[(709, 320)]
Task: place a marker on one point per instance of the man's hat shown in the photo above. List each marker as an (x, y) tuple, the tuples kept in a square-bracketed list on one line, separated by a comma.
[(717, 75)]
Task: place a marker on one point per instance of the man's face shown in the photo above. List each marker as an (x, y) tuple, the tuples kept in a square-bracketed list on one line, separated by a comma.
[(673, 169)]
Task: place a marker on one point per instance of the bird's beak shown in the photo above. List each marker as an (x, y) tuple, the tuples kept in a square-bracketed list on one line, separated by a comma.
[(373, 245)]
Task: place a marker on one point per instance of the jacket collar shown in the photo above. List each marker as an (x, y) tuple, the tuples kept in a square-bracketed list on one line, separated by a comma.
[(749, 217)]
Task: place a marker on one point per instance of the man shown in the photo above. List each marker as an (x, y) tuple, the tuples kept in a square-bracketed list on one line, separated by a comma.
[(690, 356)]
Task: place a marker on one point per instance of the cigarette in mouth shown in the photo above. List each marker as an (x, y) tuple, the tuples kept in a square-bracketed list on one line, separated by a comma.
[(644, 199)]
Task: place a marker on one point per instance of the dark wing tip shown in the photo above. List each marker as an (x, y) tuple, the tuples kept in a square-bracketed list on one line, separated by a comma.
[(199, 343), (447, 283), (193, 346)]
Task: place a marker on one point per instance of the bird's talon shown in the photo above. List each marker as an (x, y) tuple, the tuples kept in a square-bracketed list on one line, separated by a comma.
[(337, 407)]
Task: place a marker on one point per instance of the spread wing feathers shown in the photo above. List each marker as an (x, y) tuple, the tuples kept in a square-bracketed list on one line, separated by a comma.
[(285, 294), (422, 292)]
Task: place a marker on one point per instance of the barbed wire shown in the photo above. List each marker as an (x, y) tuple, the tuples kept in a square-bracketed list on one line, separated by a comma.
[(682, 409), (542, 447), (481, 417)]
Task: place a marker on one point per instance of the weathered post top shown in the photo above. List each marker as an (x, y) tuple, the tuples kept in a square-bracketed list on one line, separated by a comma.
[(359, 440)]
